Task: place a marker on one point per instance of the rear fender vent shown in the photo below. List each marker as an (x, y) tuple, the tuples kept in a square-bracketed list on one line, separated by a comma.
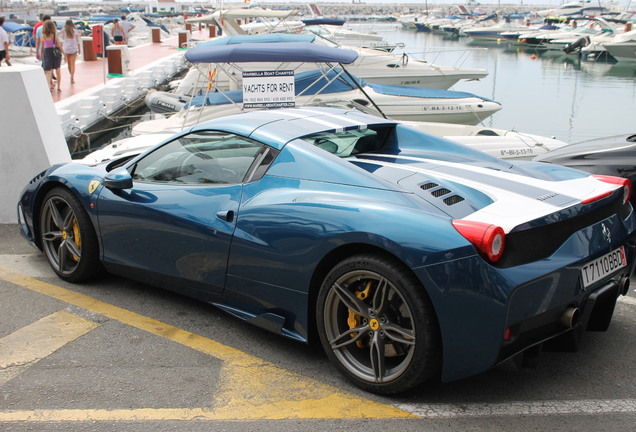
[(440, 191), (429, 185), (437, 193), (453, 199)]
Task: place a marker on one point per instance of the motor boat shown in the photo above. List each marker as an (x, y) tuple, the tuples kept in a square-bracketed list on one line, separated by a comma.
[(371, 65), (251, 21), (623, 46), (330, 82), (501, 143)]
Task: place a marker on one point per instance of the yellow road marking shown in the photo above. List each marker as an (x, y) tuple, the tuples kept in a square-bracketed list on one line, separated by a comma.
[(42, 338), (251, 387), (38, 340)]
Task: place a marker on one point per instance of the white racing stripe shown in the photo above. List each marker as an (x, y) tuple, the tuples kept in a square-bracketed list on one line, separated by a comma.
[(510, 208), (509, 409)]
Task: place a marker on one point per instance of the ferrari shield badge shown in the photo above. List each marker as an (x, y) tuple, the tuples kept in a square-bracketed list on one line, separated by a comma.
[(92, 186)]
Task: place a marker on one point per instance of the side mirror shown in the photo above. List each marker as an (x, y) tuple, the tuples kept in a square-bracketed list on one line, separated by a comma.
[(118, 179)]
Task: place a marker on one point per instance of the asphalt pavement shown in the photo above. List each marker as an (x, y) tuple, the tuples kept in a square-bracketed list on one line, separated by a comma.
[(114, 354)]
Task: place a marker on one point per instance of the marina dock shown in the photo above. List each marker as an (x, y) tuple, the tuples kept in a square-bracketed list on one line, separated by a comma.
[(98, 94)]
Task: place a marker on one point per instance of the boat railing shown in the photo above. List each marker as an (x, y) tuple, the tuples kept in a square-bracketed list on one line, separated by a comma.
[(432, 55)]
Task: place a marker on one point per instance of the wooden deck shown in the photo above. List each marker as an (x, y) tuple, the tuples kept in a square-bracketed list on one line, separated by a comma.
[(89, 74)]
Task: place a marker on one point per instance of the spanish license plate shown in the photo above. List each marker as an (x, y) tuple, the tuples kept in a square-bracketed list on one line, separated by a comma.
[(599, 268)]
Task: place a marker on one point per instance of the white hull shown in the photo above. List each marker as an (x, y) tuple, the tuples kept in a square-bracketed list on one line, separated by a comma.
[(622, 51), (501, 143), (467, 110)]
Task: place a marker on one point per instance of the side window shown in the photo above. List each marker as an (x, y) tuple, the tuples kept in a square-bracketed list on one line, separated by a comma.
[(203, 157)]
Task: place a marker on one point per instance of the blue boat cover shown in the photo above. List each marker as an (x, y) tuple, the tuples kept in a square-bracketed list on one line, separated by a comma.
[(324, 21), (309, 82), (103, 17), (489, 17), (261, 38), (273, 52), (13, 27), (517, 15), (420, 92)]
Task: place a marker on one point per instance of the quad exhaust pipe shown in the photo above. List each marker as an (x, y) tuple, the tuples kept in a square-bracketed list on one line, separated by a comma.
[(570, 317)]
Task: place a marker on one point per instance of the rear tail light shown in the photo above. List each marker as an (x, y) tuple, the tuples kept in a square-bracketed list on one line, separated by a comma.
[(627, 185), (489, 240)]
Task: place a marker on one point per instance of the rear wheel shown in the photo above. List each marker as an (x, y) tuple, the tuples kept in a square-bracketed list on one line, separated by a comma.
[(377, 325), (68, 237)]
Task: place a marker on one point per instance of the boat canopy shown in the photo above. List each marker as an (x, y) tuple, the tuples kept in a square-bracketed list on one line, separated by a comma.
[(324, 21), (13, 27), (288, 52), (260, 38)]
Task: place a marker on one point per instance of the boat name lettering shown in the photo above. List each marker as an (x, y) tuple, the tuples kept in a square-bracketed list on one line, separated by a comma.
[(166, 105), (516, 152), (442, 108), (253, 74)]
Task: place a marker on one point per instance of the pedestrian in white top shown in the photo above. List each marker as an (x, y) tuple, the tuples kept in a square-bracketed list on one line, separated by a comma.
[(72, 46), (4, 44), (127, 26)]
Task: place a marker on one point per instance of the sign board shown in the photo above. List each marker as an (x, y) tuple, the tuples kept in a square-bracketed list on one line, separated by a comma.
[(269, 89)]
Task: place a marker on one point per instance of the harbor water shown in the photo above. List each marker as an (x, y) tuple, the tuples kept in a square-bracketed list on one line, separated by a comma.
[(544, 93), (551, 94)]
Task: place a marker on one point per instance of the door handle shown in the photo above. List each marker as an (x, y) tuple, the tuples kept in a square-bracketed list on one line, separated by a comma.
[(226, 215)]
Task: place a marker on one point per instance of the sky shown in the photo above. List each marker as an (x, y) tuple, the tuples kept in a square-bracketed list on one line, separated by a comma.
[(433, 3)]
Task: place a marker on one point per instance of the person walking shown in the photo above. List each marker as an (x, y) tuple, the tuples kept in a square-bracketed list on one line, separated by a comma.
[(72, 46), (50, 60), (118, 33), (35, 31), (4, 44), (38, 37), (127, 26)]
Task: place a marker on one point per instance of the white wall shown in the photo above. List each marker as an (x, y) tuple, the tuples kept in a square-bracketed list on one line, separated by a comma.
[(31, 138)]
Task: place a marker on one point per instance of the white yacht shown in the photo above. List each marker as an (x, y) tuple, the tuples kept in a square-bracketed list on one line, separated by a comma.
[(328, 84)]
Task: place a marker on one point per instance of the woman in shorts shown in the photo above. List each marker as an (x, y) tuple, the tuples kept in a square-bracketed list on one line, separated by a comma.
[(72, 46), (118, 33), (50, 61)]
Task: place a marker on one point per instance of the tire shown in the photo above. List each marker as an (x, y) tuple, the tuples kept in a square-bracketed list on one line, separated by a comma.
[(67, 237), (377, 324)]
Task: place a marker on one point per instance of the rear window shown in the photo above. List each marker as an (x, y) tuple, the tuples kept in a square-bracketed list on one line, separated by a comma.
[(351, 142)]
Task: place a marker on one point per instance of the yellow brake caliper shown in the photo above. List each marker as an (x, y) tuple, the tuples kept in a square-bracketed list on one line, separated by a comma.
[(354, 318), (77, 238)]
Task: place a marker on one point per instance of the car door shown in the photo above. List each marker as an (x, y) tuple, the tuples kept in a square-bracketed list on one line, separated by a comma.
[(177, 220)]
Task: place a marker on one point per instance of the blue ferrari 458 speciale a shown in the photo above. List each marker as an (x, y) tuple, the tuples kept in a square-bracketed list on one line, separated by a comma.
[(408, 256)]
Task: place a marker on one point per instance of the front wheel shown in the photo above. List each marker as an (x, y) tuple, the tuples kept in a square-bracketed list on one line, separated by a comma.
[(67, 236), (377, 324)]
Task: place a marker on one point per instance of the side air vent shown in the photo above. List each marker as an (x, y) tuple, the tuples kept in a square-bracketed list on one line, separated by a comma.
[(427, 186), (453, 199), (440, 192)]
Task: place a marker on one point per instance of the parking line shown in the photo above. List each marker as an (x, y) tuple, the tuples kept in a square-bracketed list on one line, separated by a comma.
[(533, 408), (38, 340), (251, 388)]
